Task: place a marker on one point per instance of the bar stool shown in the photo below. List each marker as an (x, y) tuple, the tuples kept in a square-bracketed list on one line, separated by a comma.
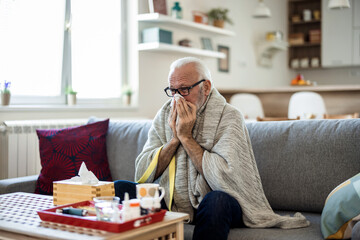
[(248, 104), (307, 105)]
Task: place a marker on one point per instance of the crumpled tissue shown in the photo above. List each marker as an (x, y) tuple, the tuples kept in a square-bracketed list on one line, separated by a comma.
[(176, 98), (85, 176)]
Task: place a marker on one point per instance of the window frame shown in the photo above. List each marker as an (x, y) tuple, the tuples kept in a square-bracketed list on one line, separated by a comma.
[(66, 74)]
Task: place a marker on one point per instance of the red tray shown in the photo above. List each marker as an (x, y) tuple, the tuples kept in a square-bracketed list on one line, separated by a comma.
[(50, 215)]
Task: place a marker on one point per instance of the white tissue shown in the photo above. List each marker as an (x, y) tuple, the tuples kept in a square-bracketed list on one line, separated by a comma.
[(85, 176), (176, 98)]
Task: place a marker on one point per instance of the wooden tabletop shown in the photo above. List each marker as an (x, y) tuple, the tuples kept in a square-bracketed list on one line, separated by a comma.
[(19, 219)]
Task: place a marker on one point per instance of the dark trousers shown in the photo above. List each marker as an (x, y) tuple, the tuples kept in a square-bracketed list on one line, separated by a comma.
[(217, 213)]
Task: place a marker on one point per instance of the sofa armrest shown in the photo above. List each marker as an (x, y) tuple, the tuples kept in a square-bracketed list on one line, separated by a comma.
[(19, 184)]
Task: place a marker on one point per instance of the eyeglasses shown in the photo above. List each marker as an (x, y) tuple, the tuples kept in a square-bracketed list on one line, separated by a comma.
[(184, 91)]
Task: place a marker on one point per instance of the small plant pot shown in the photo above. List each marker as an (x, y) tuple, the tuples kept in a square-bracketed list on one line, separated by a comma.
[(5, 99), (71, 99), (219, 23), (127, 100)]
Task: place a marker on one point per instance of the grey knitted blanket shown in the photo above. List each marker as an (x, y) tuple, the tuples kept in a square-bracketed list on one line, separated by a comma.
[(228, 165)]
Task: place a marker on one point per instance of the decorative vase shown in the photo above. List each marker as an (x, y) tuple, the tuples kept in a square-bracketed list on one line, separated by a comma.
[(71, 99), (176, 11), (5, 98), (127, 100), (219, 23)]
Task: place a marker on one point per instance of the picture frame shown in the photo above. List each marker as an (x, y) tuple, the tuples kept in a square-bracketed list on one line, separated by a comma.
[(206, 43), (224, 63), (158, 6)]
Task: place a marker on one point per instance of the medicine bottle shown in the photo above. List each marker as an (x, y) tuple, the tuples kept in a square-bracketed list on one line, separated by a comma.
[(176, 11), (135, 208)]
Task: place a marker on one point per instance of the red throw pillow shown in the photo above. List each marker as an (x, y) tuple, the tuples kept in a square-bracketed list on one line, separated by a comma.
[(63, 150)]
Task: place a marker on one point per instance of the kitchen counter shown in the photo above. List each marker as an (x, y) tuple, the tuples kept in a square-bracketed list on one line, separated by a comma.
[(339, 99)]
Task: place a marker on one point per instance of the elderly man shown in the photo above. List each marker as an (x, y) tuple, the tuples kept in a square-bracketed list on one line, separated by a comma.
[(199, 150)]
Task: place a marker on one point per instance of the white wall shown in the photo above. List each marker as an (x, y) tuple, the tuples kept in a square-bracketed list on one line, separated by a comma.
[(244, 71)]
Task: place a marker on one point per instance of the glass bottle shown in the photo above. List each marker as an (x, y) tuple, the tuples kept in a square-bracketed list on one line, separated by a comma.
[(176, 11)]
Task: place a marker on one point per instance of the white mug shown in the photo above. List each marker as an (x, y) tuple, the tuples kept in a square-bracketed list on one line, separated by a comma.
[(148, 190), (307, 15), (295, 63)]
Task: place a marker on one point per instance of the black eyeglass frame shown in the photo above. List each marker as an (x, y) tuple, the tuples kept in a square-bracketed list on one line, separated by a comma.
[(183, 88)]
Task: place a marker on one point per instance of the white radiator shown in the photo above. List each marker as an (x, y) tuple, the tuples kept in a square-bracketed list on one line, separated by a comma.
[(19, 145)]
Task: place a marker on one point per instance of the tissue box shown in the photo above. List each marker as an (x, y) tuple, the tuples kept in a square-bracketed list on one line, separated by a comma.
[(66, 192), (156, 35)]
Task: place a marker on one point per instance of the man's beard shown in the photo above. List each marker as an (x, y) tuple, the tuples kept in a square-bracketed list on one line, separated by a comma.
[(201, 99)]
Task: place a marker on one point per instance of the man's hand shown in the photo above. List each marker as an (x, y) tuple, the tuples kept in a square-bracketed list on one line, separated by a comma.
[(184, 127), (187, 117)]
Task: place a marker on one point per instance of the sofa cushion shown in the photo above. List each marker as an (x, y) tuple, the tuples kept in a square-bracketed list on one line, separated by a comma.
[(341, 210), (309, 233), (300, 162), (63, 150), (125, 140)]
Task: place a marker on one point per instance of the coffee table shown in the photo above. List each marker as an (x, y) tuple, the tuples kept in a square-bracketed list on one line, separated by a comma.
[(19, 220)]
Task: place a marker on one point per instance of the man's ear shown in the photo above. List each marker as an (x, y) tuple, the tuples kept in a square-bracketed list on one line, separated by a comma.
[(207, 87)]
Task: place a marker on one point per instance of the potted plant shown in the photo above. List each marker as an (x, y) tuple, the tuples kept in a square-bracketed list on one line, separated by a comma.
[(219, 16), (5, 94), (71, 96), (127, 92)]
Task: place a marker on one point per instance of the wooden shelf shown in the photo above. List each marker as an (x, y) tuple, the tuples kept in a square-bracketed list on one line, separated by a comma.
[(306, 45), (300, 1), (308, 68), (163, 47), (308, 49), (160, 18), (305, 22)]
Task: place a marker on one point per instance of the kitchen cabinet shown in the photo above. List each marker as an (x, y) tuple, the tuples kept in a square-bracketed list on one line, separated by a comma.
[(340, 42), (304, 33), (356, 35), (356, 52), (337, 29), (356, 12)]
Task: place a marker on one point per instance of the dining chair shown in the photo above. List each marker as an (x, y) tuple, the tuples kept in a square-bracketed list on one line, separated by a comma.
[(248, 104), (260, 119), (307, 105), (341, 116)]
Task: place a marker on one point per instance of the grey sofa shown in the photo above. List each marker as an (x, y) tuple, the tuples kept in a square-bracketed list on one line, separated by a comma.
[(299, 162)]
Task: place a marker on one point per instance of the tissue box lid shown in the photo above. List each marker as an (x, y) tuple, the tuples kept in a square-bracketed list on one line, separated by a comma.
[(66, 192)]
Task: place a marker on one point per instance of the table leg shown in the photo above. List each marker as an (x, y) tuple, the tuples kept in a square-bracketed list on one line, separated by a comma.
[(180, 231)]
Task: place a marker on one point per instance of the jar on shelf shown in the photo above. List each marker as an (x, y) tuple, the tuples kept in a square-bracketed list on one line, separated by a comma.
[(176, 11)]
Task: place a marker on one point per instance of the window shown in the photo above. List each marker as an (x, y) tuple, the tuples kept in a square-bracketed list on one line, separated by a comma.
[(47, 45), (95, 48)]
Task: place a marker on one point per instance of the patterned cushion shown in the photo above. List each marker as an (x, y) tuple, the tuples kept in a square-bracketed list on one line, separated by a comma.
[(341, 210), (63, 150)]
